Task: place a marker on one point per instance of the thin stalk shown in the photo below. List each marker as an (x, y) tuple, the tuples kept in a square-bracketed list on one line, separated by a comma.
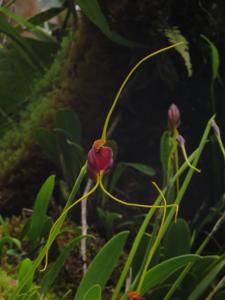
[(219, 286), (155, 245), (84, 226), (187, 179), (142, 231), (179, 197), (106, 124), (58, 223)]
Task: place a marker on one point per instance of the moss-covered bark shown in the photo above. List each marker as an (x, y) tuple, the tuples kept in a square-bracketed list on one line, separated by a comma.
[(83, 71)]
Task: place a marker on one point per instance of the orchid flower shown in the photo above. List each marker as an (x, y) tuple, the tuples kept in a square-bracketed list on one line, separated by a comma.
[(100, 160)]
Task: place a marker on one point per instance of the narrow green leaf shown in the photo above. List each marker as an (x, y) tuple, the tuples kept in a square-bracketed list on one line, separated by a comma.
[(40, 33), (215, 57), (25, 268), (177, 240), (122, 166), (68, 121), (54, 270), (67, 295), (34, 295), (144, 169), (19, 43), (94, 293), (93, 11), (46, 15), (40, 209), (163, 270), (141, 253), (207, 280), (102, 265)]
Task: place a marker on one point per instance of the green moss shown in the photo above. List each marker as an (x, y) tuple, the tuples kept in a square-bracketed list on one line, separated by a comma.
[(46, 97), (7, 285)]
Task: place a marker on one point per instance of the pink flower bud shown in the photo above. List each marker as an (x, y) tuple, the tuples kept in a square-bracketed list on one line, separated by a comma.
[(180, 140), (173, 117), (100, 158)]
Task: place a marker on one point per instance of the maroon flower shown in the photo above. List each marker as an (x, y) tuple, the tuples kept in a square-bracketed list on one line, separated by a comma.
[(134, 296), (173, 117), (100, 158)]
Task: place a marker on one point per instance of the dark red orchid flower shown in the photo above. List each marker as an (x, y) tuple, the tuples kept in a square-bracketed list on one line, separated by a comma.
[(100, 158), (134, 296)]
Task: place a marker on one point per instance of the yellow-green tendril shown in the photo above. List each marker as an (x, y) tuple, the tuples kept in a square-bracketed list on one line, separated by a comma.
[(104, 132), (64, 213), (133, 204), (155, 245), (186, 159)]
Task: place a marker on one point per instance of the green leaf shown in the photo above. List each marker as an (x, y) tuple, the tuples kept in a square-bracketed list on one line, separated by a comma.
[(54, 270), (25, 268), (67, 295), (9, 240), (94, 293), (202, 267), (163, 270), (34, 295), (178, 239), (107, 219), (48, 141), (144, 169), (122, 166), (215, 57), (40, 209), (140, 254), (93, 11), (20, 43), (205, 282), (46, 15), (25, 24), (102, 265), (68, 121)]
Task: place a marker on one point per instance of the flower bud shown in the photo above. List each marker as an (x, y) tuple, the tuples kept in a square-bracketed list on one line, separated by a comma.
[(173, 117), (215, 128), (180, 140), (100, 158), (134, 296)]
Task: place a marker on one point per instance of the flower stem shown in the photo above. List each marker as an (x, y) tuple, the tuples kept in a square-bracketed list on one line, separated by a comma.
[(106, 124)]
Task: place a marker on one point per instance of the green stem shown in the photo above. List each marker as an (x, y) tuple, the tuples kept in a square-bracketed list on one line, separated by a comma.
[(106, 124), (179, 197), (153, 249), (142, 231), (218, 137)]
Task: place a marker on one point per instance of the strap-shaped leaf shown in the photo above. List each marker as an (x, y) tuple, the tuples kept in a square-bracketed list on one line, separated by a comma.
[(93, 11), (163, 270), (40, 209), (94, 293), (102, 265), (207, 280)]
